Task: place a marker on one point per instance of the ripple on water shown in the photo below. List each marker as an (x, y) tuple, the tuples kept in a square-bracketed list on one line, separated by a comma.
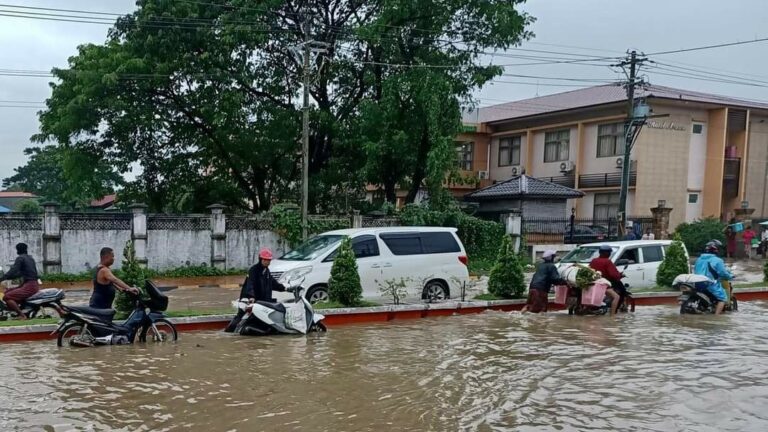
[(653, 370)]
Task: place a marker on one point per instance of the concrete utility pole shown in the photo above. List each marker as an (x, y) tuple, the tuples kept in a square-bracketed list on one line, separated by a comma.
[(629, 133), (305, 136)]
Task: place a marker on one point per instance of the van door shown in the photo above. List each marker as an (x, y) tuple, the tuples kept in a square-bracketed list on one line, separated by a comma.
[(634, 271), (404, 263), (651, 257)]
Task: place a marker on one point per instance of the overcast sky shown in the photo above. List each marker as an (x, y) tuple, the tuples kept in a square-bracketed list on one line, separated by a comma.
[(587, 27)]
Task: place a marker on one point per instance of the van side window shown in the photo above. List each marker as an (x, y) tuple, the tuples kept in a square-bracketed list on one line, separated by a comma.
[(365, 246), (403, 243), (439, 242), (652, 254), (631, 255)]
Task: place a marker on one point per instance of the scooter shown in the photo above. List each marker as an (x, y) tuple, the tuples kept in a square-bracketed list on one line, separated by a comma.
[(626, 303), (265, 318), (33, 307), (84, 326), (695, 297)]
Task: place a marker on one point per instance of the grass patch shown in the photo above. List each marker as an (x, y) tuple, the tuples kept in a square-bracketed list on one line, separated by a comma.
[(751, 285), (487, 297), (16, 323), (654, 289), (337, 305), (194, 313)]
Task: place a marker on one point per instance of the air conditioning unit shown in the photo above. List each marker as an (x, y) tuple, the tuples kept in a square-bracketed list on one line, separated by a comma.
[(567, 167), (619, 162), (516, 170), (482, 175)]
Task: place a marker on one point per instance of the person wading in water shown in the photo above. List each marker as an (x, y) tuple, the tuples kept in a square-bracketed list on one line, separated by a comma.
[(104, 282)]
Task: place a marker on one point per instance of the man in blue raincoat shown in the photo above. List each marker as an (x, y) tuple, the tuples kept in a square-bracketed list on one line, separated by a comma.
[(713, 267)]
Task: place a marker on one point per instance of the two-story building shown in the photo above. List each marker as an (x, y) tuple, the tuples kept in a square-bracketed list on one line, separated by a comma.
[(703, 154)]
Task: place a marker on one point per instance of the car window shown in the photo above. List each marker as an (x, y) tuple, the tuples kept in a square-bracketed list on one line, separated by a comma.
[(439, 242), (363, 247), (403, 243), (652, 254), (631, 255)]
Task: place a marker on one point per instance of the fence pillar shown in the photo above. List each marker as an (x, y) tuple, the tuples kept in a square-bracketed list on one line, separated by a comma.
[(51, 238), (513, 226), (139, 232), (661, 221), (357, 219), (218, 236)]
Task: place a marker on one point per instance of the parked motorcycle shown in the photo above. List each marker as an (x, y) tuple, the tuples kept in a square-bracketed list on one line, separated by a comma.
[(84, 326), (695, 297), (266, 318), (33, 307)]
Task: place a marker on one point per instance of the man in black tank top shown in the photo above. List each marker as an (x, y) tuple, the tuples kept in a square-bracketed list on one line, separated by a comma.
[(105, 283)]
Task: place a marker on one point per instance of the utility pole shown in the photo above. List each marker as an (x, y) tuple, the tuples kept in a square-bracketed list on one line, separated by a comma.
[(629, 134), (305, 136)]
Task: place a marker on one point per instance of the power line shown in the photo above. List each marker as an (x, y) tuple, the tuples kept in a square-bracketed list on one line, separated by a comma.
[(706, 47)]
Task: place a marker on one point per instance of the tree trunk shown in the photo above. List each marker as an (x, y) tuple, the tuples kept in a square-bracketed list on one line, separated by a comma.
[(420, 169)]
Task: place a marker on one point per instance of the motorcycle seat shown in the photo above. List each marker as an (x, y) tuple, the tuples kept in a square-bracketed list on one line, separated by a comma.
[(105, 314), (46, 294), (275, 306)]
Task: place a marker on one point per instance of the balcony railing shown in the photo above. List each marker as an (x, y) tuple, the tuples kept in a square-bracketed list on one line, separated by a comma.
[(603, 180), (567, 181)]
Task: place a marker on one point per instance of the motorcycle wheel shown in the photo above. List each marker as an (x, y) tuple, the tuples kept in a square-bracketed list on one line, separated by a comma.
[(166, 332), (69, 332), (319, 328), (734, 304), (691, 306)]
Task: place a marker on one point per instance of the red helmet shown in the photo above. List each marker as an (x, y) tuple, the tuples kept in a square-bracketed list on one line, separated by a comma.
[(265, 254)]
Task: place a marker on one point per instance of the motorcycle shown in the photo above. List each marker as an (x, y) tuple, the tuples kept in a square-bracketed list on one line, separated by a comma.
[(695, 297), (575, 306), (83, 326), (32, 307), (266, 318)]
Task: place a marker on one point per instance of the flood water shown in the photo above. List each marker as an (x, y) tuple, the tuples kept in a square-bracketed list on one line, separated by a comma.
[(653, 370)]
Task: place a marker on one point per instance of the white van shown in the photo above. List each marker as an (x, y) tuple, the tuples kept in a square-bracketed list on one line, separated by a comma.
[(641, 258), (432, 261)]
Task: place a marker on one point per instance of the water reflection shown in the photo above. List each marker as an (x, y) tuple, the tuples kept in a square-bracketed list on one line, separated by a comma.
[(653, 370)]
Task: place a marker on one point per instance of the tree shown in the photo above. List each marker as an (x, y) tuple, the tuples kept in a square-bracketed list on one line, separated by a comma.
[(675, 263), (72, 177), (507, 279), (132, 274), (344, 285), (29, 206), (198, 93)]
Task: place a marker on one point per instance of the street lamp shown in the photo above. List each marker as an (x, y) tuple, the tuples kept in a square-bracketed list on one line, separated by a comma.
[(662, 203)]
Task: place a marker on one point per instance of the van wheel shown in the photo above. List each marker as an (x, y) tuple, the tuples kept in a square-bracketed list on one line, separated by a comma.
[(435, 291), (317, 294)]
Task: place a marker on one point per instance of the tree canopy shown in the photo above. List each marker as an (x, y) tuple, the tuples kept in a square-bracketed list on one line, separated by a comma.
[(204, 97)]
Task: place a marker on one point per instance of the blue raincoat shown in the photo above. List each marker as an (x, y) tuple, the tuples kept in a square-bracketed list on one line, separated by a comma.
[(713, 267)]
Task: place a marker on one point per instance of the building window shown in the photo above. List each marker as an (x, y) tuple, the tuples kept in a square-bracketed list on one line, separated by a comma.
[(464, 153), (509, 151), (693, 198), (610, 140), (557, 145), (606, 206), (698, 128)]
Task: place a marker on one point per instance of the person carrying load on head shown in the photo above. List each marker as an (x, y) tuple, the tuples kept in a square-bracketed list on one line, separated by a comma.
[(712, 266)]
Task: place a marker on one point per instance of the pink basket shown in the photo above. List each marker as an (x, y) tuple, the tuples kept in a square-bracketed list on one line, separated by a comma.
[(594, 295), (561, 294)]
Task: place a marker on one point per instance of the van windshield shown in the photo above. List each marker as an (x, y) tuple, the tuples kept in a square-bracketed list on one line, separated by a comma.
[(583, 254), (313, 248)]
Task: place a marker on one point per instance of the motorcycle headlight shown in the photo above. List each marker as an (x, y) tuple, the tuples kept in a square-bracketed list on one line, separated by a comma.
[(295, 274)]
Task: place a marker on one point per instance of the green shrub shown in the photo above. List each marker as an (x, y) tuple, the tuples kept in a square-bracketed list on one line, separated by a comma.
[(344, 285), (286, 221), (178, 272), (695, 235), (765, 272), (132, 274), (29, 206), (675, 263), (507, 279)]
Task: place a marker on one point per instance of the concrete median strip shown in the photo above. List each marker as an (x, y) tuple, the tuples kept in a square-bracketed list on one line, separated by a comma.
[(342, 316)]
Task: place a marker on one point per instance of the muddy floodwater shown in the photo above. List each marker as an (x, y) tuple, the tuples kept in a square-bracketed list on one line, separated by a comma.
[(651, 371)]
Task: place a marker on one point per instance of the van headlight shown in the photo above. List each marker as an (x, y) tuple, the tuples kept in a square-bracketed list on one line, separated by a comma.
[(296, 273)]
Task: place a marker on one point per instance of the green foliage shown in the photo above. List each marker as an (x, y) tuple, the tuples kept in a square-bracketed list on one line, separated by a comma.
[(675, 263), (394, 288), (695, 235), (344, 285), (507, 279), (132, 274), (481, 238), (178, 272), (585, 277), (286, 221), (29, 206), (765, 272), (210, 112), (69, 176)]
